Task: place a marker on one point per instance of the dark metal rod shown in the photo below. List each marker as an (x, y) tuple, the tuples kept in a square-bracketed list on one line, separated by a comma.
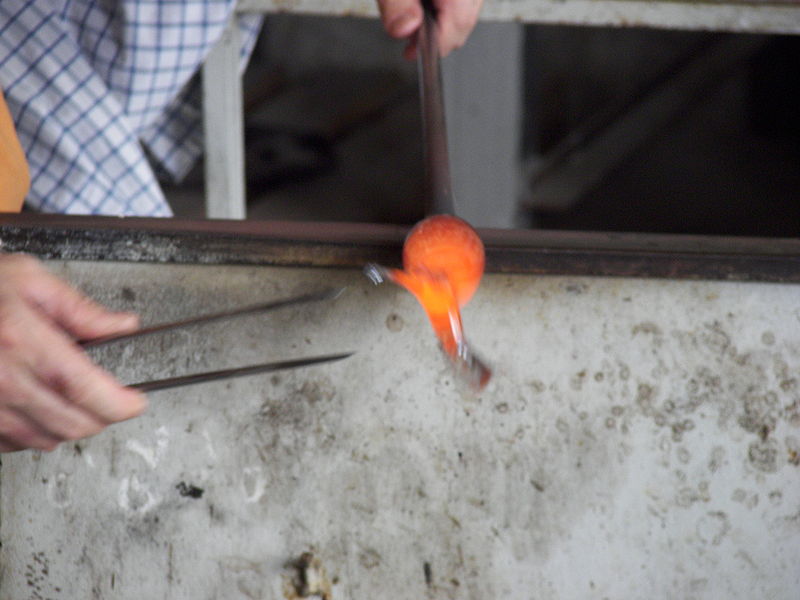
[(352, 245), (325, 294), (172, 382), (437, 162)]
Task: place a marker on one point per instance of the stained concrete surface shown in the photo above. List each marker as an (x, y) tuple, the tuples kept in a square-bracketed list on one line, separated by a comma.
[(640, 438)]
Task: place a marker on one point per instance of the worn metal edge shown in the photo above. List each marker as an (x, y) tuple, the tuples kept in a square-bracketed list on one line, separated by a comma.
[(743, 16), (352, 245)]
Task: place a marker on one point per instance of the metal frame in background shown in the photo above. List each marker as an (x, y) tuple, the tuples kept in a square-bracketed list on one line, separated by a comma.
[(223, 113), (745, 16)]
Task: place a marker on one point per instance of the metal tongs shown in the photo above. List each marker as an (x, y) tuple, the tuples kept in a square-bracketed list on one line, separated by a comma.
[(171, 382)]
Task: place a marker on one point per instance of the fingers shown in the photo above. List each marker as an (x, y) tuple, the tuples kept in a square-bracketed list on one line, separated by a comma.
[(51, 392), (18, 433), (29, 398), (401, 18), (455, 20), (31, 416), (49, 389), (95, 391), (410, 51), (60, 365), (67, 307)]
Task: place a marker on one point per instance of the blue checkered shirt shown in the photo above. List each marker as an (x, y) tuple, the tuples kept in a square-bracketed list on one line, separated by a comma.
[(103, 96)]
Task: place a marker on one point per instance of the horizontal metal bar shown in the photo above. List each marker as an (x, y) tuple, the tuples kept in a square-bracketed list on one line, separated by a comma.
[(753, 16), (352, 245)]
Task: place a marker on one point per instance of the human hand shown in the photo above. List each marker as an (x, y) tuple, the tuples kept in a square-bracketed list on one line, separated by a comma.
[(455, 20), (49, 389)]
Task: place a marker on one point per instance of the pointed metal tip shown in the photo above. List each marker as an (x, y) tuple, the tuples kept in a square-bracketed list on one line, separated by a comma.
[(172, 382), (327, 358), (311, 360)]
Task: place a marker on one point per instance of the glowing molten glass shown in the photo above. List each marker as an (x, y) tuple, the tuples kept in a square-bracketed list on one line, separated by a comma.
[(443, 262)]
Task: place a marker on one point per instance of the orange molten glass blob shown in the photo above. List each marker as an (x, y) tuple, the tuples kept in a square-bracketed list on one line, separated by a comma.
[(443, 260), (446, 247)]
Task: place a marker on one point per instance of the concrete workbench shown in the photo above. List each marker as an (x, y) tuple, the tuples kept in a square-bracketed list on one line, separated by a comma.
[(640, 437)]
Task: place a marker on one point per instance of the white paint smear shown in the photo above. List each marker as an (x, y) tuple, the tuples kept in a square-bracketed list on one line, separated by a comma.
[(151, 454)]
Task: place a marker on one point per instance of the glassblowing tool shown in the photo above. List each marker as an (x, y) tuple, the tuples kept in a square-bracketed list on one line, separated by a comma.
[(160, 384)]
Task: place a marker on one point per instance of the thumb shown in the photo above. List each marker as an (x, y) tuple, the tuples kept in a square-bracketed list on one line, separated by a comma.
[(401, 18), (69, 309)]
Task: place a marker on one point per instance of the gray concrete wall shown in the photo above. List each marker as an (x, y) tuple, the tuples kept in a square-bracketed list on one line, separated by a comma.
[(640, 439)]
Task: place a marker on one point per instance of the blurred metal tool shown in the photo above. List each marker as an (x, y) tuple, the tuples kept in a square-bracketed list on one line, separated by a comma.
[(171, 382), (325, 294), (437, 161)]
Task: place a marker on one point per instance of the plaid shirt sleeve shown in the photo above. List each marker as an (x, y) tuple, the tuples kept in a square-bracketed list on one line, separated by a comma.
[(100, 90)]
